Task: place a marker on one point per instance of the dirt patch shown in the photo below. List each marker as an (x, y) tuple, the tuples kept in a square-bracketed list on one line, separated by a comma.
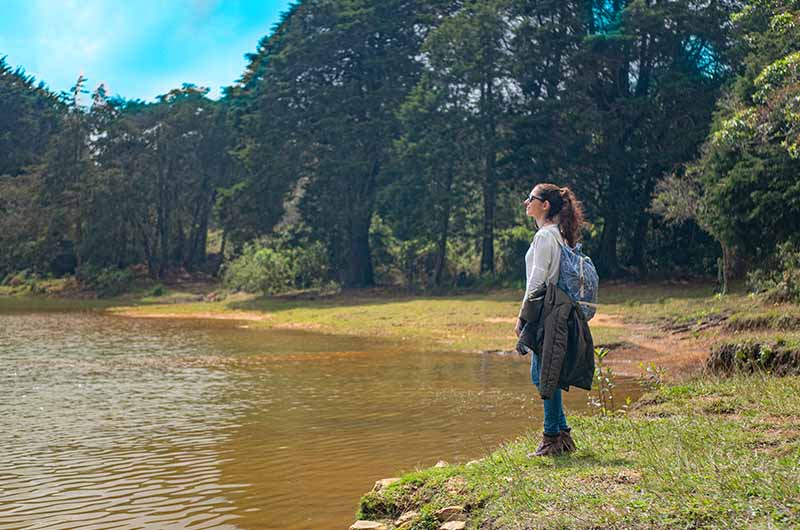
[(239, 315), (606, 321), (501, 320), (679, 354), (298, 325), (711, 321)]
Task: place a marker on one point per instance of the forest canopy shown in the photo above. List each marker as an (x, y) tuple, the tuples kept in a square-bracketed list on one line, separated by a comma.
[(392, 142)]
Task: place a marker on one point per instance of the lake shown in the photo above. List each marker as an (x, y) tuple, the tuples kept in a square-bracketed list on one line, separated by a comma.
[(116, 423)]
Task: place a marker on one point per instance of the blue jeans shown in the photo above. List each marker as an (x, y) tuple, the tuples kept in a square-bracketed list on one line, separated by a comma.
[(554, 418)]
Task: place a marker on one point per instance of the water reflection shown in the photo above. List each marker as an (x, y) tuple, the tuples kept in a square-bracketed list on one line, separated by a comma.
[(116, 423)]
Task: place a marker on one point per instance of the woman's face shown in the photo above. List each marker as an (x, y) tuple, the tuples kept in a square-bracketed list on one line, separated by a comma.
[(534, 205)]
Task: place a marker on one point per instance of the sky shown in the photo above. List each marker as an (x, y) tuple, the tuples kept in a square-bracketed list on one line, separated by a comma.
[(138, 48)]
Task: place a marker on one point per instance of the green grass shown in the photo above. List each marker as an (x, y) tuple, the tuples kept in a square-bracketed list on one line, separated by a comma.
[(463, 322), (706, 454)]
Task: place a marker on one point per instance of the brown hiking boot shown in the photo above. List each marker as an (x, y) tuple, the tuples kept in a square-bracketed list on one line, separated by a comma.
[(550, 446), (567, 442)]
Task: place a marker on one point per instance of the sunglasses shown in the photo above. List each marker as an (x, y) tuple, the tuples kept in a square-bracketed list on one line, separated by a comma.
[(531, 197)]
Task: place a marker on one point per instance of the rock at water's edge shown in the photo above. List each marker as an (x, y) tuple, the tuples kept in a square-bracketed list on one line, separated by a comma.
[(384, 483), (367, 525)]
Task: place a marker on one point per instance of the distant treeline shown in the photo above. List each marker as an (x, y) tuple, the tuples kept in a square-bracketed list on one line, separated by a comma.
[(400, 137)]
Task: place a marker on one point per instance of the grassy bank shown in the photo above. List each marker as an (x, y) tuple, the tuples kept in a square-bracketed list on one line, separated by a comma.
[(467, 321), (703, 454), (671, 324)]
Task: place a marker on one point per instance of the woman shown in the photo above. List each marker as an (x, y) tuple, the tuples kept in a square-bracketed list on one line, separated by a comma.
[(559, 218)]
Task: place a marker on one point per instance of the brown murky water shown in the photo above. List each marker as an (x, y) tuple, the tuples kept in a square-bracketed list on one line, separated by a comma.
[(112, 423)]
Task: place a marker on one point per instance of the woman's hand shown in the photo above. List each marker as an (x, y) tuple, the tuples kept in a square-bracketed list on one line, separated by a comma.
[(518, 328)]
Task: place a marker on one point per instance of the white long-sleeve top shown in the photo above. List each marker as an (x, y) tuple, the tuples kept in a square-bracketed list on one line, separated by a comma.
[(543, 258)]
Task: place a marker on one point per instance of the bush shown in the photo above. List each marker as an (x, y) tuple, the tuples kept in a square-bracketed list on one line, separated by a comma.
[(309, 264), (780, 283), (290, 260), (259, 270), (106, 281), (17, 279)]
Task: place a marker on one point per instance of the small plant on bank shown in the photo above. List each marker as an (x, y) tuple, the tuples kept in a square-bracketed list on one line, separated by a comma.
[(602, 399), (652, 375)]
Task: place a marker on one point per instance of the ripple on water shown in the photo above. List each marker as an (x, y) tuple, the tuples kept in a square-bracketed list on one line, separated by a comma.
[(120, 423), (94, 438)]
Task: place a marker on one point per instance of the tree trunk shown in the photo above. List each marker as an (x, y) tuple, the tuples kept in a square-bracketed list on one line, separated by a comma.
[(489, 185), (487, 247), (359, 272), (607, 261), (639, 235), (163, 226), (444, 225)]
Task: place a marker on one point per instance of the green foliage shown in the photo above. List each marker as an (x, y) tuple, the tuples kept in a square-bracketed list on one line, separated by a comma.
[(259, 270), (273, 265), (386, 251), (602, 399), (399, 132), (781, 282), (106, 282), (23, 281), (513, 243), (743, 189)]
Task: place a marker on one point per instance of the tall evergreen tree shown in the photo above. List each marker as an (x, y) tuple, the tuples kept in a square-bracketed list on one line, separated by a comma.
[(344, 69)]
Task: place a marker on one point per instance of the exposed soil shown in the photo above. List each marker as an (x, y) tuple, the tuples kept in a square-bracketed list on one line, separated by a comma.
[(229, 315), (680, 354)]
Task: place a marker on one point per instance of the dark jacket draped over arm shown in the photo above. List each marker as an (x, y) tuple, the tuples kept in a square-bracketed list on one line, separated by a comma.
[(556, 330)]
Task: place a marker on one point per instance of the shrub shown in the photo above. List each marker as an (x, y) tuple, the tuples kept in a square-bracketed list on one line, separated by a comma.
[(309, 264), (106, 281), (17, 279), (780, 283), (259, 270)]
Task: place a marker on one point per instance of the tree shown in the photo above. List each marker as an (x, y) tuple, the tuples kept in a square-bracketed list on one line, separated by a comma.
[(343, 70), (745, 183), (435, 166), (30, 116), (648, 76), (468, 56)]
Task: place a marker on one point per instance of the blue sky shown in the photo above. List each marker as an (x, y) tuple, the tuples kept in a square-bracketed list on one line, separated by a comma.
[(138, 48)]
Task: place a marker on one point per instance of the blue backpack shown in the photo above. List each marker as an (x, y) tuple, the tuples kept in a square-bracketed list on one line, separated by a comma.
[(577, 276)]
